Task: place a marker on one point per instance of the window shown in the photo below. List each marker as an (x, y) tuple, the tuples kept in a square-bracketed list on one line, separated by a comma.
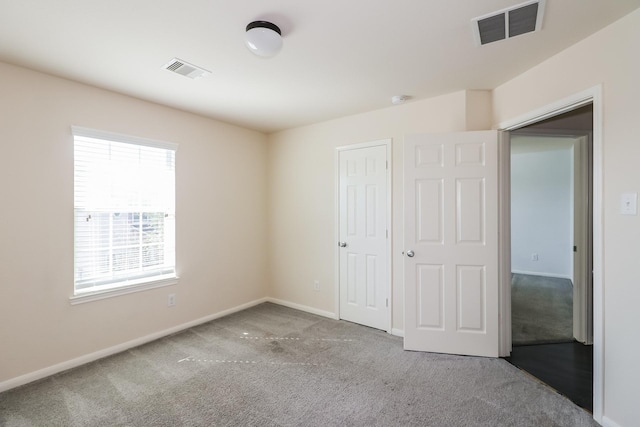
[(124, 209)]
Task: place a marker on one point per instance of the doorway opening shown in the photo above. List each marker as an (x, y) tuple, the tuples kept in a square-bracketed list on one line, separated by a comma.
[(552, 252)]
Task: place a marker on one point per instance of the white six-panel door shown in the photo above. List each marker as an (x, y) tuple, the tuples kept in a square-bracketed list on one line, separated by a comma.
[(451, 243), (363, 219)]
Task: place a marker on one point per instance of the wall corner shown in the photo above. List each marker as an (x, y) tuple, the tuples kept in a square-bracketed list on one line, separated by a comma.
[(478, 109)]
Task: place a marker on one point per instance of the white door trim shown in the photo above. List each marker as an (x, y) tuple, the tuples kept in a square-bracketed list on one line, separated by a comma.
[(387, 144), (591, 95)]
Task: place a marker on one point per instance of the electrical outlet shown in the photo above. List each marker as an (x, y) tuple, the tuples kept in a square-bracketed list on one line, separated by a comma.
[(171, 300), (534, 257), (316, 285)]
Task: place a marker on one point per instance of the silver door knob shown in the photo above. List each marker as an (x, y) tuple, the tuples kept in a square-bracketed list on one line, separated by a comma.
[(410, 254), (342, 244)]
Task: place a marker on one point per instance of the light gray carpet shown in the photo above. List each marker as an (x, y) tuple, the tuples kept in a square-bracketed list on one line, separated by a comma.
[(274, 366), (541, 310)]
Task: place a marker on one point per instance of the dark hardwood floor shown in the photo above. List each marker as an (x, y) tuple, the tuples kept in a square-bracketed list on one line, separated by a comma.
[(566, 367)]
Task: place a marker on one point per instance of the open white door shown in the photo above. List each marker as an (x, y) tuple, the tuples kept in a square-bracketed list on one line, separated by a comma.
[(451, 243), (363, 234)]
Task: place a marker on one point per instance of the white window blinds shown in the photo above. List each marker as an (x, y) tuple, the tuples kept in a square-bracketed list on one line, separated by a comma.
[(124, 207)]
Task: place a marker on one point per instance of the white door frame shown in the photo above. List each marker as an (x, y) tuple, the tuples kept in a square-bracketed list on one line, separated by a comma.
[(590, 96), (387, 144)]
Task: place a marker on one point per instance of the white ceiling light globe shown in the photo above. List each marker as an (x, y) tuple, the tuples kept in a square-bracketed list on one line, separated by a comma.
[(263, 38)]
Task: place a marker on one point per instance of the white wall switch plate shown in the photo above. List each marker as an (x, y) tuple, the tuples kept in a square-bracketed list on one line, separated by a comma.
[(629, 204)]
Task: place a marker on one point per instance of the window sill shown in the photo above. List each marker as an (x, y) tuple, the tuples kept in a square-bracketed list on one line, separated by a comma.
[(159, 282)]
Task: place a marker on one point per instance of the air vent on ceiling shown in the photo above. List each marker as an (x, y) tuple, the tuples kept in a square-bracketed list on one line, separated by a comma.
[(184, 68), (514, 21)]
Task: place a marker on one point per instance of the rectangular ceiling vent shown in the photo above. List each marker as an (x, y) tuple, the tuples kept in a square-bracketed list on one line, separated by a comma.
[(184, 68), (504, 24)]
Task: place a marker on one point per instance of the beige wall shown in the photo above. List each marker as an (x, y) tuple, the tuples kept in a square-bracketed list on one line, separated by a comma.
[(221, 224), (610, 58), (302, 186)]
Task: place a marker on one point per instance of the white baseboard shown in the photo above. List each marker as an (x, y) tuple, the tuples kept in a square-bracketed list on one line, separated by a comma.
[(397, 332), (537, 273), (607, 422), (301, 307), (73, 363), (330, 315)]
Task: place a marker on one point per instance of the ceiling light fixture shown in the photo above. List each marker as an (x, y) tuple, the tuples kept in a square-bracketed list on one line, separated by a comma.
[(263, 38)]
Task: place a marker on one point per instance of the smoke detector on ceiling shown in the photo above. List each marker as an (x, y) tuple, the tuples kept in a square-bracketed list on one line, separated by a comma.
[(184, 68), (507, 23), (399, 99)]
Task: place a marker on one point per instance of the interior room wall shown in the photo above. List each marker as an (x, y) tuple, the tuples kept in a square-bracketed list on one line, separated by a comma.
[(608, 58), (302, 188), (220, 213), (542, 206)]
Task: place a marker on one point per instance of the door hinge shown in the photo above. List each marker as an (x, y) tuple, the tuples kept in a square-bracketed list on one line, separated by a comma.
[(387, 234), (387, 163), (387, 302), (575, 249)]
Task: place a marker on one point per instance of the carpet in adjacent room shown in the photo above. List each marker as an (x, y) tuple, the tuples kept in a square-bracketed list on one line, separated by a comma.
[(541, 310)]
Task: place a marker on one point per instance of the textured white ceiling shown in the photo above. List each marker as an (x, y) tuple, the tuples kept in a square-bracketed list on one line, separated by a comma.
[(340, 57)]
